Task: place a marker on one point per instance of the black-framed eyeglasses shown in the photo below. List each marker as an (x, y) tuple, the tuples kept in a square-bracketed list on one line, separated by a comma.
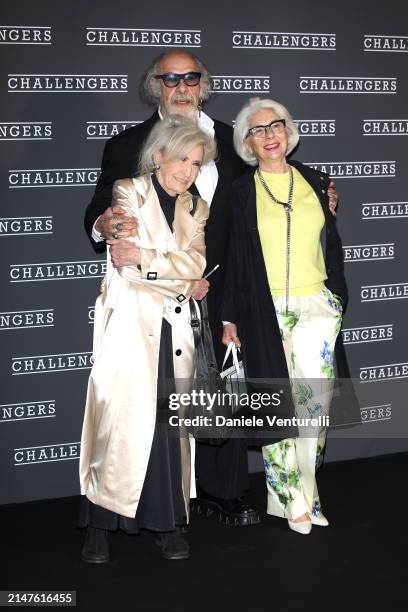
[(276, 126), (172, 79)]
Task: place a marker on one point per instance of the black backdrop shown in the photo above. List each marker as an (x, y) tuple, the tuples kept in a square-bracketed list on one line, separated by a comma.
[(69, 78)]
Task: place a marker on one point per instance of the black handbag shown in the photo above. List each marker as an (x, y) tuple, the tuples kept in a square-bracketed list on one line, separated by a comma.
[(207, 384)]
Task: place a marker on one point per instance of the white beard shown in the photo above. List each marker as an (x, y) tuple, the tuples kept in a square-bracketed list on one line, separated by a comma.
[(189, 111)]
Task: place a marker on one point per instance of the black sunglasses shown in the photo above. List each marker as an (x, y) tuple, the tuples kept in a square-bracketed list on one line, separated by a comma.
[(172, 79)]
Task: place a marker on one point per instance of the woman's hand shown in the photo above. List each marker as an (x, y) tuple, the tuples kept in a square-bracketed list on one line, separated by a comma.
[(230, 335), (200, 289), (123, 253)]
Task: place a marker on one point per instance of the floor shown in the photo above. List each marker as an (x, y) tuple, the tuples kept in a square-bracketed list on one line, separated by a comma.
[(358, 563)]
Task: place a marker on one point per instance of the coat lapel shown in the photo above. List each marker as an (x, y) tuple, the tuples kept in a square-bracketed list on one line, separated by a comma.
[(154, 224), (319, 186), (154, 221), (184, 223)]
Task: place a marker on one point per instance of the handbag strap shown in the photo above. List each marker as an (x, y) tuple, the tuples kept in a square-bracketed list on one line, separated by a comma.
[(194, 319), (231, 350), (207, 335), (200, 353), (195, 323), (203, 340)]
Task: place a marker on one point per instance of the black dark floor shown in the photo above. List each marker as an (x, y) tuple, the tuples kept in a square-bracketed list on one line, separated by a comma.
[(358, 563)]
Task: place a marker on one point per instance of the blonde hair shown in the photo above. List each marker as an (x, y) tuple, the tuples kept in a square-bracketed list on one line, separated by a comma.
[(175, 136)]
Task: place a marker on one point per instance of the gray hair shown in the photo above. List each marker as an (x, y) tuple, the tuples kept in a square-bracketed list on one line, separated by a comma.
[(150, 87), (175, 136), (242, 126)]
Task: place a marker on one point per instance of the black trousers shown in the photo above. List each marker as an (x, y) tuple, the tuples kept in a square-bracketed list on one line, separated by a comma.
[(161, 506), (221, 471)]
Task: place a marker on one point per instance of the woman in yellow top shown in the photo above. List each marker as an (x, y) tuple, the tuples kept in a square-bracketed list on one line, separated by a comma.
[(283, 298)]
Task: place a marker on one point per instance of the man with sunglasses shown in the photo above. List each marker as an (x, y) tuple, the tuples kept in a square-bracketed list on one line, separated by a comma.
[(178, 82)]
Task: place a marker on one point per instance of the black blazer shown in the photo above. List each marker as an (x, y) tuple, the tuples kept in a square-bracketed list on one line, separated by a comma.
[(247, 299), (120, 160)]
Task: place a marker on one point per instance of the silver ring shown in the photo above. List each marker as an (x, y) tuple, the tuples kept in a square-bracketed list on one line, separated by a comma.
[(118, 226), (115, 236)]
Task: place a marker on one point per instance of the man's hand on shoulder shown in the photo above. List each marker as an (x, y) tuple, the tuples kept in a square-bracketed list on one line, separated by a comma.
[(333, 198), (114, 223), (123, 253)]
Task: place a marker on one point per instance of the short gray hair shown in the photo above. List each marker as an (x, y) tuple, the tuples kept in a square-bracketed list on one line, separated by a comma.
[(150, 87), (175, 136), (242, 126)]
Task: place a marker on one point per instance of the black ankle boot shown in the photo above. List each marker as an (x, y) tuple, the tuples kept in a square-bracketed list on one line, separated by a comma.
[(96, 546), (173, 545)]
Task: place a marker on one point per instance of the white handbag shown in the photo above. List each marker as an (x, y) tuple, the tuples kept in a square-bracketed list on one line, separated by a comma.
[(234, 376)]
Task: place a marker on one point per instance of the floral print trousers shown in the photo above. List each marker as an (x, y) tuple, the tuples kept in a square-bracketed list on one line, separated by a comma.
[(309, 330)]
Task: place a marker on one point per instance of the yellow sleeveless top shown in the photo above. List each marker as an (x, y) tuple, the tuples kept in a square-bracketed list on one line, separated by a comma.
[(307, 267)]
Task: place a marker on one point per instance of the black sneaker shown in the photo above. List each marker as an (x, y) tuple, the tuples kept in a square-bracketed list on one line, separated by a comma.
[(173, 545), (96, 546), (231, 512)]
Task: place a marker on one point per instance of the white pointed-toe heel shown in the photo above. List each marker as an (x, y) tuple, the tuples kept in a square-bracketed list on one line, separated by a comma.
[(304, 528), (320, 520)]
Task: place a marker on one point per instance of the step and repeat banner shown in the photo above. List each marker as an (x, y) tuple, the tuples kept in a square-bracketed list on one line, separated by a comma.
[(69, 80)]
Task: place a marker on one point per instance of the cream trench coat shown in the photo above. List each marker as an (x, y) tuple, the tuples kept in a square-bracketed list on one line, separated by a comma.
[(120, 412)]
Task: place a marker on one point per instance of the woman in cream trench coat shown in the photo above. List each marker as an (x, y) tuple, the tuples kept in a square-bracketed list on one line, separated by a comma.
[(120, 415)]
